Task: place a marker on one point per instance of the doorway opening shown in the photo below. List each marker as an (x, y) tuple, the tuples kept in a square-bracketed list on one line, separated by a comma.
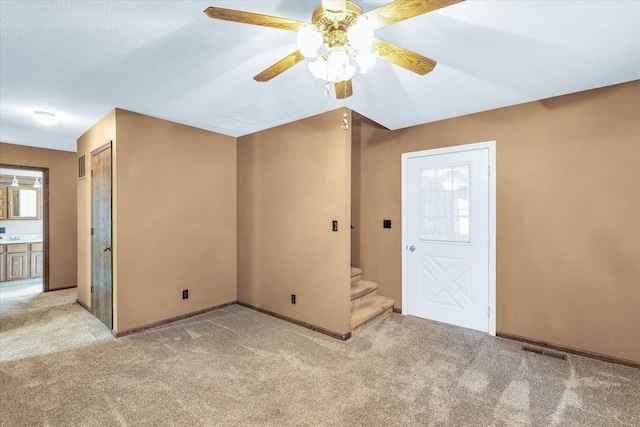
[(24, 225)]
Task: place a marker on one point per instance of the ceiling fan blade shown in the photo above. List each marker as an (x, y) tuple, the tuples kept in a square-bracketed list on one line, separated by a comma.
[(254, 18), (280, 67), (400, 10), (344, 89), (404, 58)]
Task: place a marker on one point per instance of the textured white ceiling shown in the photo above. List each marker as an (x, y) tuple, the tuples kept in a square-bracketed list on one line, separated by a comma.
[(81, 59)]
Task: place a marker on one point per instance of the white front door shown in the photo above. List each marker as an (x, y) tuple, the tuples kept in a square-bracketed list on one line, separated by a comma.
[(447, 268)]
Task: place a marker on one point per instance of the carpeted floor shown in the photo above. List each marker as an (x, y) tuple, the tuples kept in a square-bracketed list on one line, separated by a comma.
[(36, 323), (239, 367)]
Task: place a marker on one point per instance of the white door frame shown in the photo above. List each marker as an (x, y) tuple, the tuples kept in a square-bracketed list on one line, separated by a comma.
[(491, 146)]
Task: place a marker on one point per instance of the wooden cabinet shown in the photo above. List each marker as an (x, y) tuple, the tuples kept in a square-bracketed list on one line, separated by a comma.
[(21, 261), (17, 262), (3, 202), (2, 279), (36, 260)]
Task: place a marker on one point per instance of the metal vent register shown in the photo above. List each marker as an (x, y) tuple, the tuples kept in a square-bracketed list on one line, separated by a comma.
[(545, 352)]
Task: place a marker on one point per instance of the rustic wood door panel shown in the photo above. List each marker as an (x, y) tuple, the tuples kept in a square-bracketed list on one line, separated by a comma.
[(101, 254)]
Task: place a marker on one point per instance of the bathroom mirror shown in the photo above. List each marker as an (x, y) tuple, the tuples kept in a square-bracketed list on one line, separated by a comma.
[(25, 203)]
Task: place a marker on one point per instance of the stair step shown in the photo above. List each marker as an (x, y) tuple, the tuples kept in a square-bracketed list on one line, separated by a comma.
[(356, 274), (369, 312), (361, 291)]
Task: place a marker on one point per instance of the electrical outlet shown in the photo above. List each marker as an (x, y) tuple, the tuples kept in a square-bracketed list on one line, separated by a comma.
[(293, 298), (185, 294), (2, 230)]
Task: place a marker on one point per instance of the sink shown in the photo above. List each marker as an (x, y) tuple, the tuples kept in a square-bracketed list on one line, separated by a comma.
[(21, 238)]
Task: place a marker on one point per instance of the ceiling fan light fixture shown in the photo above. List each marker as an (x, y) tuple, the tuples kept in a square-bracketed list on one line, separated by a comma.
[(309, 41), (340, 29), (44, 118)]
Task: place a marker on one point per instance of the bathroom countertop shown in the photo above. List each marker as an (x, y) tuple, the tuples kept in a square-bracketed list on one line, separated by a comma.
[(11, 242)]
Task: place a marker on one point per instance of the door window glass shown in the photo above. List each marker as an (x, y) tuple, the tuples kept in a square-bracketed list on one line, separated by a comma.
[(445, 203)]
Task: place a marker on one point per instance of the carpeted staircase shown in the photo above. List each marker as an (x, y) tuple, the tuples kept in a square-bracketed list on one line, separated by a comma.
[(367, 308)]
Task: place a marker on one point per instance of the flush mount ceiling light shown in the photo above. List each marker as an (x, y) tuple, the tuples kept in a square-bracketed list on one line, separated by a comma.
[(340, 31), (44, 118)]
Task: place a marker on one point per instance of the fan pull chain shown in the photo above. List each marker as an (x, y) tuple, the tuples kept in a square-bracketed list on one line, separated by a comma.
[(327, 89), (345, 122)]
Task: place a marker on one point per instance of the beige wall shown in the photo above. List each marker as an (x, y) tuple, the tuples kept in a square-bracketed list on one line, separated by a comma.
[(174, 218), (294, 180), (62, 206), (568, 204)]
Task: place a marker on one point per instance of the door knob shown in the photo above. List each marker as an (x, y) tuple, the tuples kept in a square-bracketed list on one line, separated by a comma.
[(106, 248), (412, 248)]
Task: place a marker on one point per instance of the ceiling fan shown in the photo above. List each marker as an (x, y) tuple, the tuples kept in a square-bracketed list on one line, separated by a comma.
[(338, 31)]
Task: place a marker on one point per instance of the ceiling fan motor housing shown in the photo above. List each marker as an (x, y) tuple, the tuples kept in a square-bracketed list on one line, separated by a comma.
[(335, 24)]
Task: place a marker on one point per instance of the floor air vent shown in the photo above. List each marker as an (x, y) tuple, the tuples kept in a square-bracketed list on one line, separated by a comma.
[(544, 352)]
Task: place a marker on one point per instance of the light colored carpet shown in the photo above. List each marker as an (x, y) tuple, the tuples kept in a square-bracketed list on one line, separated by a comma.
[(36, 323), (239, 367)]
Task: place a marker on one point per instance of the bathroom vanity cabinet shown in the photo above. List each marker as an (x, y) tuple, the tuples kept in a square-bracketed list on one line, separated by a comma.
[(21, 261)]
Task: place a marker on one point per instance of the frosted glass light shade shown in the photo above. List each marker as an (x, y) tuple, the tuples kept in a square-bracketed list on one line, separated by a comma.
[(309, 41), (36, 183), (338, 67), (366, 59), (360, 35), (319, 68)]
